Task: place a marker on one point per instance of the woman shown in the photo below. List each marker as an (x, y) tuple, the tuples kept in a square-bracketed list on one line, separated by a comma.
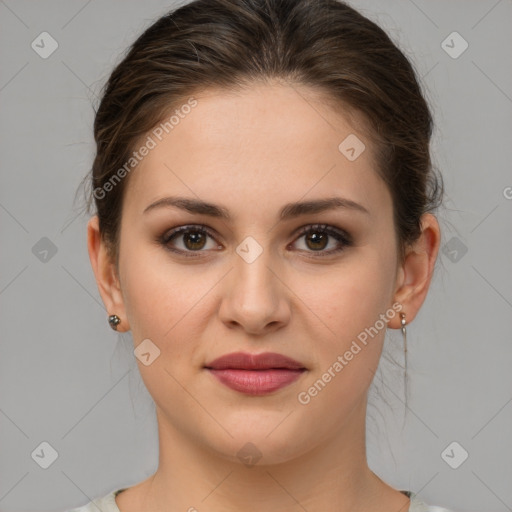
[(264, 196)]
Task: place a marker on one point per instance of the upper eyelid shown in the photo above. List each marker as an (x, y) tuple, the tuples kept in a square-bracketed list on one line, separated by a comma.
[(188, 227)]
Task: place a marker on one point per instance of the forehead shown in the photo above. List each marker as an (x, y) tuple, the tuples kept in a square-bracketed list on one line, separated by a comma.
[(266, 143)]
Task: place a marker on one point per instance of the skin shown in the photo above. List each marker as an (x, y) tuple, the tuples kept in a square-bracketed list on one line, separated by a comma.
[(252, 152)]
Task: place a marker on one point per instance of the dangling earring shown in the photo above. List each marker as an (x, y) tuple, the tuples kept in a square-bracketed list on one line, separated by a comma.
[(404, 335), (114, 321)]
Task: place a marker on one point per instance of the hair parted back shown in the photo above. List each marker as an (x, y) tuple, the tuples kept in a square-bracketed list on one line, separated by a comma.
[(322, 44)]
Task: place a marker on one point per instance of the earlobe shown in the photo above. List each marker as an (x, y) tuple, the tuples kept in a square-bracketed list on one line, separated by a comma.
[(415, 275), (106, 274)]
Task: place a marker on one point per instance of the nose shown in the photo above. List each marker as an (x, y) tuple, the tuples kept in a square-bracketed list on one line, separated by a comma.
[(254, 297)]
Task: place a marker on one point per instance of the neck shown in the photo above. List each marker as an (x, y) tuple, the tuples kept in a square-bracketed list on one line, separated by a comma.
[(331, 476)]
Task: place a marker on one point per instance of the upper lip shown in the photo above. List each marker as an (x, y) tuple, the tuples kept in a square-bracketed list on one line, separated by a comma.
[(246, 361)]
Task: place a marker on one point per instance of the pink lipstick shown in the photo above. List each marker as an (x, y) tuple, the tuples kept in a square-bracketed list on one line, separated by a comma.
[(255, 374)]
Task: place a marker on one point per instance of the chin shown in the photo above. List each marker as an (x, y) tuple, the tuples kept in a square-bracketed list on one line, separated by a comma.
[(261, 443)]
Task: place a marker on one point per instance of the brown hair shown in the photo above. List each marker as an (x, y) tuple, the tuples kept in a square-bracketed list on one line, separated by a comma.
[(324, 44)]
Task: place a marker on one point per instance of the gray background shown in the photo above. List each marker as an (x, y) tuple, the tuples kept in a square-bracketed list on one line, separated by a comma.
[(67, 379)]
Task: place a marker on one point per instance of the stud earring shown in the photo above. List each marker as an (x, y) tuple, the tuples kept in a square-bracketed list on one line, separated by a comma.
[(114, 321)]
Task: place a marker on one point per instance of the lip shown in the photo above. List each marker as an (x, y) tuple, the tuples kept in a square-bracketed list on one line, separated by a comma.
[(246, 361), (255, 374)]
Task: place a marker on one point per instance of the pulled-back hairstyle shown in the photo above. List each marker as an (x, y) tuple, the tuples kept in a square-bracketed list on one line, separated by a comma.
[(323, 44)]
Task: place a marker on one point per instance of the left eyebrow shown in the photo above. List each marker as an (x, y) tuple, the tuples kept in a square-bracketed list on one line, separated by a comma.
[(288, 211), (319, 205)]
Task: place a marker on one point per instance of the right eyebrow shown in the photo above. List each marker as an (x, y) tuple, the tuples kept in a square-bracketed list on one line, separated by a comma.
[(192, 206)]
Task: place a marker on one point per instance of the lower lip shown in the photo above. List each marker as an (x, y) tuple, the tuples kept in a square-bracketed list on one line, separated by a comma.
[(256, 382)]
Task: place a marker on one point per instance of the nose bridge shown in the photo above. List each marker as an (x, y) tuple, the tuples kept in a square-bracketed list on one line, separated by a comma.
[(253, 280), (255, 296)]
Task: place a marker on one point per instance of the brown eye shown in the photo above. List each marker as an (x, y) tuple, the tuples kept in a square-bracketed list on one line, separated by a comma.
[(317, 241), (318, 238), (189, 239), (194, 240)]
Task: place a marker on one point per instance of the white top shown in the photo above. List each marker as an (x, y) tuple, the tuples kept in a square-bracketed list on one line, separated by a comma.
[(108, 504)]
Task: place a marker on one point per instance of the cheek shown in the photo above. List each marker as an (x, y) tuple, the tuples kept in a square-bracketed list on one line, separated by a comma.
[(352, 297), (156, 293), (161, 304), (348, 340), (349, 303), (167, 302)]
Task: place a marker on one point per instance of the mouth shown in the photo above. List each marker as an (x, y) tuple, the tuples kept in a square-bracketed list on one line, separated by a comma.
[(255, 374)]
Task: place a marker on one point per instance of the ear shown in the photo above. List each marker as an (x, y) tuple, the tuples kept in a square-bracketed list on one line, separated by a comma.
[(106, 274), (414, 276)]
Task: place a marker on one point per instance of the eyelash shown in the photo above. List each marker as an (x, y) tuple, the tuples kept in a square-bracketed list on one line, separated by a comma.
[(341, 236)]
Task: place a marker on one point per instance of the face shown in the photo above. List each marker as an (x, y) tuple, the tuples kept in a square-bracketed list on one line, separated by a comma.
[(254, 272)]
